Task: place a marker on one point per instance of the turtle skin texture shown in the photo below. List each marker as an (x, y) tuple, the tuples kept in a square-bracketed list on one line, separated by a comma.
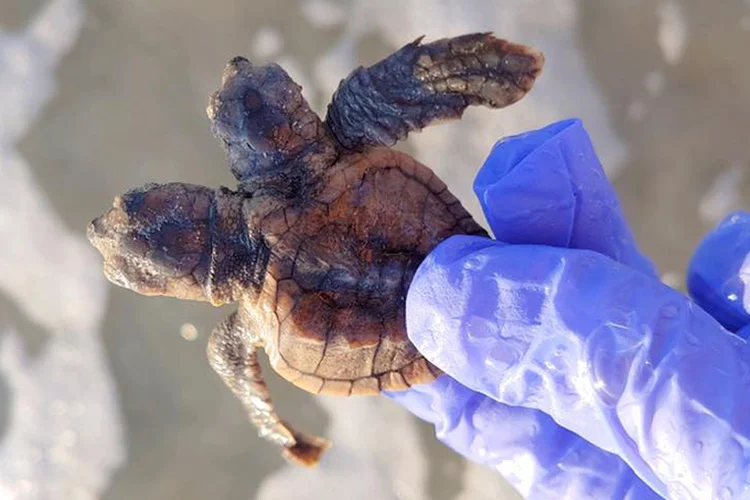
[(320, 240)]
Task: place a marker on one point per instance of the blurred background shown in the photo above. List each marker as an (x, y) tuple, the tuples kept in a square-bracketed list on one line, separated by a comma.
[(106, 394)]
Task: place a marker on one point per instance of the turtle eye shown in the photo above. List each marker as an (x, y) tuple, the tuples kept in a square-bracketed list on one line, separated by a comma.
[(176, 247), (171, 266), (136, 244), (253, 100)]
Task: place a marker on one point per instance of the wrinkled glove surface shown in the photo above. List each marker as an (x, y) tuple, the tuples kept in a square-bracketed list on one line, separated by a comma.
[(570, 367)]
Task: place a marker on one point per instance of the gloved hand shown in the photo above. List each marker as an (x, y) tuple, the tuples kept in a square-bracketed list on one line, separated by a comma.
[(719, 274), (569, 365)]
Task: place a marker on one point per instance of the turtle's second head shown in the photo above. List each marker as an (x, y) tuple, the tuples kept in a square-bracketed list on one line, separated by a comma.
[(265, 124), (174, 239)]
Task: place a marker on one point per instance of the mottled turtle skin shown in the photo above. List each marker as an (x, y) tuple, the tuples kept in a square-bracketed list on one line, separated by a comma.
[(319, 242)]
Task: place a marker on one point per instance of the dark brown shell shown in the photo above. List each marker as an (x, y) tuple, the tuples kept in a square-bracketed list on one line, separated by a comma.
[(331, 310)]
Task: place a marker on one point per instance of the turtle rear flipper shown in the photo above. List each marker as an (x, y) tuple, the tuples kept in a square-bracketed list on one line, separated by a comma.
[(422, 84), (307, 449), (233, 356)]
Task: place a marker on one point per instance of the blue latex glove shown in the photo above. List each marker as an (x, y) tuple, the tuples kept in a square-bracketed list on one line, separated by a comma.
[(720, 272), (586, 334)]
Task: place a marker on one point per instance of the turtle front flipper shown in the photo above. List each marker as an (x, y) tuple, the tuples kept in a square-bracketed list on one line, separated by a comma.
[(422, 84), (272, 138), (233, 356)]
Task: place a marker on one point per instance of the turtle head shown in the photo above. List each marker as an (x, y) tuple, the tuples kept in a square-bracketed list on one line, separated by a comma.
[(249, 109), (264, 123), (177, 240)]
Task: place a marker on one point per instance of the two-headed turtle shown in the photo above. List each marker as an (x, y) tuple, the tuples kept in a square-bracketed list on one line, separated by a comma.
[(321, 238)]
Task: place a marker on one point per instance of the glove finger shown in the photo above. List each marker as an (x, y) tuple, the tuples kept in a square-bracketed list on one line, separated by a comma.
[(744, 332), (539, 458), (719, 272), (548, 187), (615, 356)]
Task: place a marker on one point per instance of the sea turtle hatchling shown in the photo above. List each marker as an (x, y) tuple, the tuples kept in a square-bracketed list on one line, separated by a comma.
[(321, 238)]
